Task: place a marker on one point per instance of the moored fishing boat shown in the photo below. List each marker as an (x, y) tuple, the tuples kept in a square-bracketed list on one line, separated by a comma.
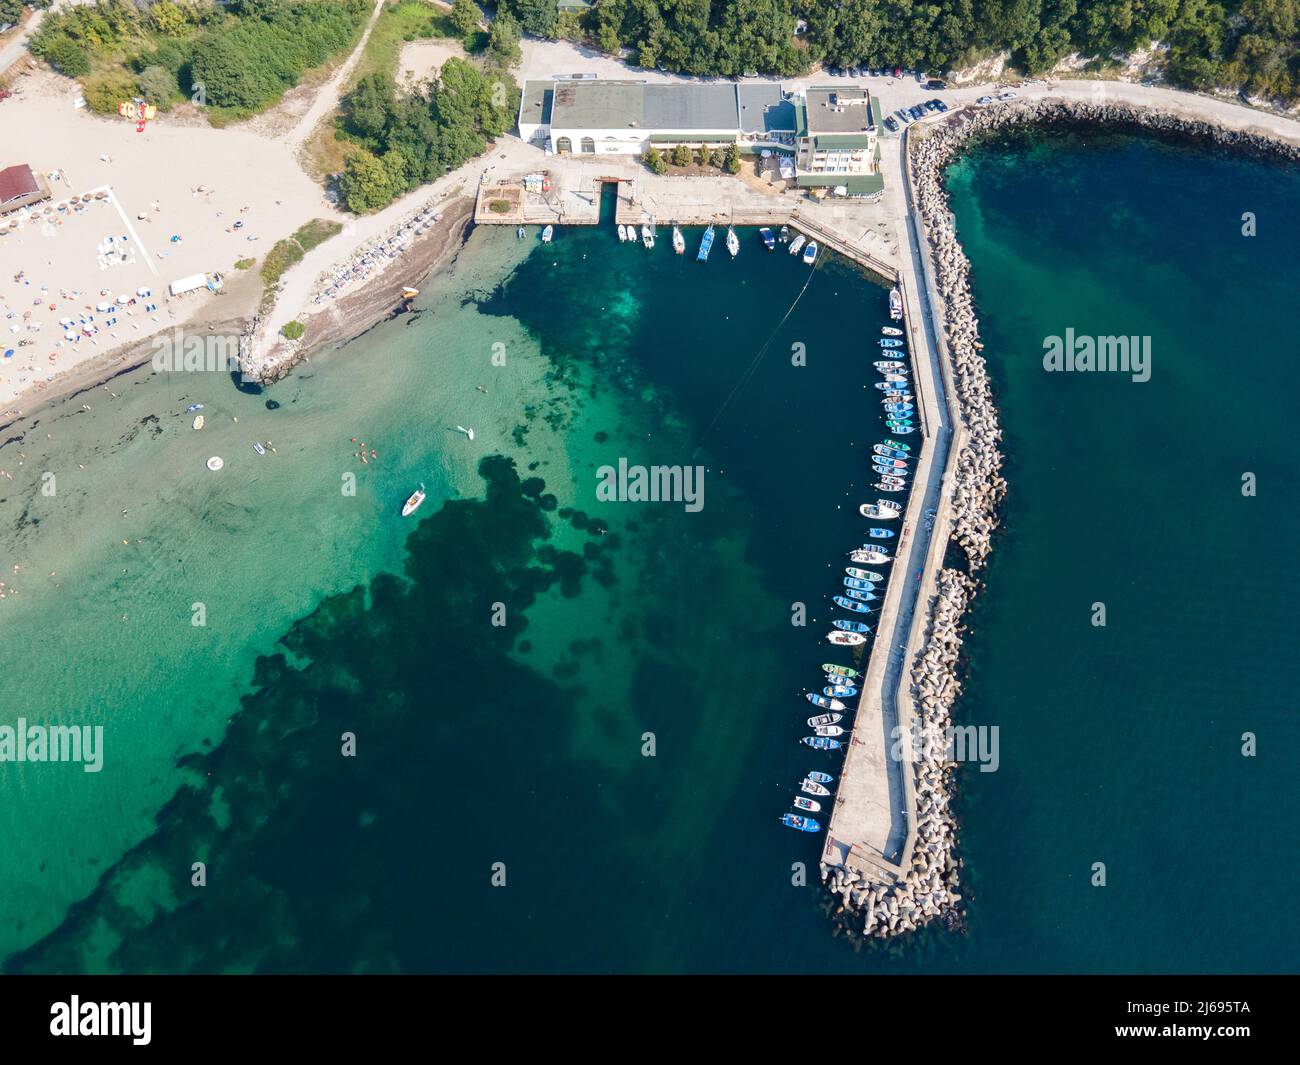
[(811, 805), (883, 460), (413, 501), (895, 443), (824, 719), (810, 253), (821, 743), (859, 584), (706, 245), (821, 778), (863, 574), (547, 234), (622, 232), (829, 730), (769, 241), (888, 364), (797, 243), (873, 555), (884, 488), (890, 342), (803, 824), (880, 534), (784, 235), (889, 452), (825, 703), (850, 604), (813, 788), (840, 691), (887, 386), (648, 236), (679, 242), (840, 671), (879, 510), (733, 242), (850, 626), (895, 304), (891, 331), (859, 595), (846, 639)]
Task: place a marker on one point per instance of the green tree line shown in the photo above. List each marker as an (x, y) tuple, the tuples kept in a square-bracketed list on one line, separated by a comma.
[(1251, 45)]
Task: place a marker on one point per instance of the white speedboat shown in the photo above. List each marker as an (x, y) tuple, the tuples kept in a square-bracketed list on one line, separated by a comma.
[(468, 432), (812, 787), (679, 242), (797, 243), (547, 234), (896, 305), (648, 236), (733, 242), (810, 253), (891, 331), (881, 510), (846, 639), (622, 233), (413, 501)]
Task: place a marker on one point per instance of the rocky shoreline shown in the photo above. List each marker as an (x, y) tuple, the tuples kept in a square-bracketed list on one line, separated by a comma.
[(929, 890)]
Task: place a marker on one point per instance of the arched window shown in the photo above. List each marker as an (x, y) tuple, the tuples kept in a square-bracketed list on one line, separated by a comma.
[(589, 145), (564, 146)]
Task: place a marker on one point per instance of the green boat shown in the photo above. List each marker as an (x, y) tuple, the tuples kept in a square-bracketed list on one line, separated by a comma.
[(840, 671)]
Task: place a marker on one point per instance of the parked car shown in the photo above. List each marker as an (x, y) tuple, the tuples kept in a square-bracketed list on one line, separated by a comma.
[(891, 124), (903, 116), (984, 100), (931, 105), (1006, 96), (855, 72), (834, 72), (940, 106), (935, 83), (917, 112)]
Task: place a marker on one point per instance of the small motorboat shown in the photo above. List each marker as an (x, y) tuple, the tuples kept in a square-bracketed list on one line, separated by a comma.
[(904, 410), (891, 331), (468, 432), (824, 719), (648, 236), (198, 421), (413, 501), (821, 743), (733, 242), (897, 378), (850, 626), (409, 293), (886, 474), (622, 233), (813, 788), (810, 805), (706, 245), (895, 443), (887, 385), (547, 234), (902, 430), (880, 534), (784, 235), (679, 242), (803, 824), (890, 478), (797, 243), (519, 233), (900, 425), (890, 452), (821, 778), (839, 691), (259, 448), (863, 574), (859, 584), (810, 253), (890, 342), (769, 241), (851, 604), (889, 364), (859, 595), (839, 671), (895, 304), (193, 407), (876, 553), (828, 730), (822, 701), (846, 639), (896, 464), (883, 488), (875, 510)]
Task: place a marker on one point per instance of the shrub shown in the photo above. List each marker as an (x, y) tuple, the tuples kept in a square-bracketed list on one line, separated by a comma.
[(293, 330), (655, 161), (67, 57)]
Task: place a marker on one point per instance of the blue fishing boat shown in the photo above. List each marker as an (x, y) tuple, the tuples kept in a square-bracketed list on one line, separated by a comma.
[(821, 778), (803, 824), (888, 470), (860, 595), (861, 585), (821, 743), (841, 691), (880, 534), (901, 430), (889, 452), (850, 604), (895, 443), (706, 245), (769, 241), (823, 702), (890, 342), (850, 626), (887, 386)]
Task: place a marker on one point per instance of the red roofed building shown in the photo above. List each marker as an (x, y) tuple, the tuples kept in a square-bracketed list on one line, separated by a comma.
[(20, 187)]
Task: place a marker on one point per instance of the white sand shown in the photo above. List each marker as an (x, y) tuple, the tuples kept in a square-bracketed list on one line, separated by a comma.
[(420, 61)]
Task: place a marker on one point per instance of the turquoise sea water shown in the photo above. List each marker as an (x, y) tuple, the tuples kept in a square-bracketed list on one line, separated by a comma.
[(519, 750)]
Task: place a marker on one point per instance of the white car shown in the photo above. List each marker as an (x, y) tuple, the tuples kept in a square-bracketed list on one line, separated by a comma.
[(1006, 96), (984, 100)]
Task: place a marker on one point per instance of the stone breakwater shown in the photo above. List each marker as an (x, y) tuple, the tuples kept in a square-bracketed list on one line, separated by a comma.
[(928, 889)]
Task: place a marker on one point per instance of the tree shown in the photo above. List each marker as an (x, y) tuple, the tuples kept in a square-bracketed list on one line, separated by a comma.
[(68, 57), (682, 155), (158, 86), (10, 11), (732, 161), (367, 182), (168, 18), (654, 160), (503, 40), (466, 17)]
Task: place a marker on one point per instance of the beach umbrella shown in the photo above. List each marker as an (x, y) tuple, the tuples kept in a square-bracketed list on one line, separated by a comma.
[(9, 353), (103, 305), (123, 299)]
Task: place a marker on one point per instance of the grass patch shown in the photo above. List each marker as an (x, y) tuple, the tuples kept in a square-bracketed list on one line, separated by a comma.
[(244, 264), (398, 23), (290, 251), (293, 330), (499, 206)]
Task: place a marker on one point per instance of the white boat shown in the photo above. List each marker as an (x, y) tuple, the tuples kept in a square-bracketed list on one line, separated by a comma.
[(812, 787), (679, 242), (825, 719), (648, 236), (891, 331), (810, 253), (879, 511), (797, 243), (198, 421), (259, 448), (845, 639), (896, 305), (622, 232), (733, 242), (413, 501), (547, 234), (828, 730), (811, 805), (468, 432)]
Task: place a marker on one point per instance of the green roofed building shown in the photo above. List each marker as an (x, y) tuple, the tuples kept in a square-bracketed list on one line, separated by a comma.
[(837, 147)]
